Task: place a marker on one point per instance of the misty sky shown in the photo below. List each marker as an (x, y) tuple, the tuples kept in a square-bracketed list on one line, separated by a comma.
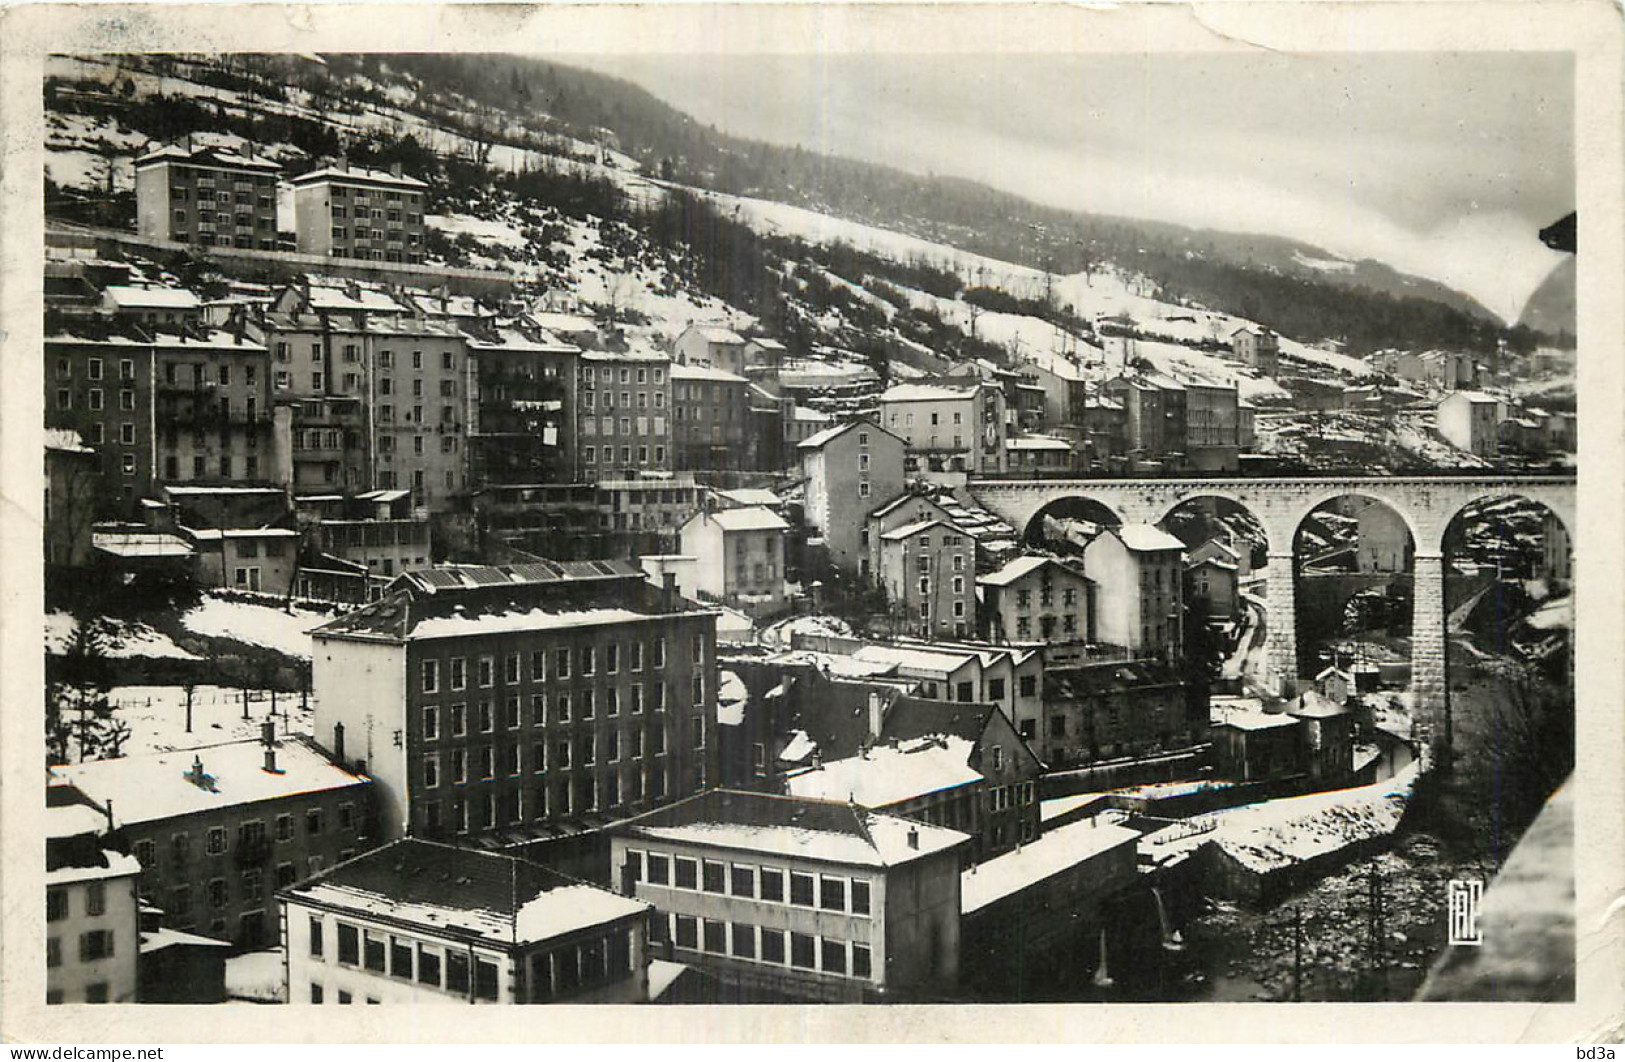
[(1443, 165)]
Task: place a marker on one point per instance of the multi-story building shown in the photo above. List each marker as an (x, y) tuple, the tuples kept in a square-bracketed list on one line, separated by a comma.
[(783, 899), (375, 529), (522, 398), (161, 407), (207, 196), (624, 426), (1138, 582), (740, 557), (218, 829), (1384, 540), (1211, 584), (348, 211), (1469, 421), (928, 570), (1257, 348), (91, 910), (420, 922), (1035, 599), (1154, 407), (519, 701), (714, 346), (948, 426), (1115, 710), (319, 393), (73, 487), (710, 418), (946, 763), (849, 470), (1038, 453), (1212, 427), (419, 408), (1556, 558), (908, 507)]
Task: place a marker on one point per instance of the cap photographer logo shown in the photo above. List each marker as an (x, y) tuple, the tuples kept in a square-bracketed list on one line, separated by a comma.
[(1464, 898)]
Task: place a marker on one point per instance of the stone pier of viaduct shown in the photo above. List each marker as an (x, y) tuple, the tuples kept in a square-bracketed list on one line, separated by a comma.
[(1426, 503)]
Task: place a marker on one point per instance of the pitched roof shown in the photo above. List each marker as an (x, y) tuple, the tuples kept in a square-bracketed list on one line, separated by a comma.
[(465, 892), (928, 392), (897, 534), (359, 175), (750, 518), (1020, 566), (1146, 538), (833, 831), (891, 773), (137, 297), (681, 371), (1091, 679), (717, 334), (157, 786), (207, 155), (1055, 851), (822, 438)]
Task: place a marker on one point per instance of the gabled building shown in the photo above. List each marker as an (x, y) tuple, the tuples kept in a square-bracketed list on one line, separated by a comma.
[(904, 508), (849, 469), (740, 555), (712, 345), (1213, 581), (1469, 421), (928, 572), (781, 899), (1257, 348), (217, 829), (507, 704), (91, 909), (1035, 599), (1154, 411), (948, 426), (1137, 573)]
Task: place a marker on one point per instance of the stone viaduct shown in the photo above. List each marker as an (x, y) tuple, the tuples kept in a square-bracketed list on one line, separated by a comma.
[(1427, 504)]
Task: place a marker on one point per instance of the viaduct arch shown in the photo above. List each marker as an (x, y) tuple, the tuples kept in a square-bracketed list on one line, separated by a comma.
[(1427, 504)]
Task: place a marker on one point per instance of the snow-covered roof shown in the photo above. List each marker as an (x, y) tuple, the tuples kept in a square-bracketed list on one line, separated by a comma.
[(525, 620), (461, 892), (73, 820), (568, 323), (1247, 715), (751, 518), (207, 156), (821, 438), (767, 343), (1214, 562), (65, 440), (797, 827), (935, 661), (215, 534), (681, 371), (717, 334), (109, 865), (1015, 569), (928, 392), (358, 175), (127, 296), (1055, 851), (1477, 398), (909, 530), (1037, 442), (140, 544), (158, 939), (891, 774), (732, 696), (150, 788), (1312, 704), (798, 748), (1147, 538), (809, 416), (750, 496)]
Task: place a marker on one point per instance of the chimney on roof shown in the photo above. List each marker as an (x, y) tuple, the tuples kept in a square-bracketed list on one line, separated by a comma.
[(877, 713), (108, 811), (395, 169), (914, 837), (668, 589), (338, 742)]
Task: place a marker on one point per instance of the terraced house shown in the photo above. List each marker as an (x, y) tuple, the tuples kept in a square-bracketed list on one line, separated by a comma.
[(506, 704)]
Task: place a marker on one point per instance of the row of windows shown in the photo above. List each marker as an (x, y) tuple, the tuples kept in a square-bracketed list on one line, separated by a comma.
[(94, 369), (644, 374), (447, 968), (588, 398), (776, 947), (251, 835), (562, 797), (58, 905), (564, 706), (766, 884), (590, 455), (207, 175), (639, 426), (558, 663), (94, 945), (562, 754), (361, 195)]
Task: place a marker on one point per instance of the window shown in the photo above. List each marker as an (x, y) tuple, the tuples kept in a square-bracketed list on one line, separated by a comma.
[(400, 958), (587, 660), (431, 723), (860, 960), (659, 869), (832, 893), (217, 893), (802, 952), (457, 971), (215, 842), (53, 951), (431, 771), (487, 718), (860, 896), (743, 881), (56, 905), (428, 966), (834, 956), (687, 873), (315, 992), (773, 946), (313, 821), (772, 884), (316, 937), (431, 676), (487, 671), (96, 944), (510, 669), (744, 940), (349, 945), (715, 877), (561, 663), (658, 653), (687, 932), (373, 951), (801, 889), (716, 937), (459, 720), (458, 672)]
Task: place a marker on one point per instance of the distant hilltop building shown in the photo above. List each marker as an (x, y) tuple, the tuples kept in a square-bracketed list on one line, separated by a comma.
[(207, 196), (1257, 348), (345, 211)]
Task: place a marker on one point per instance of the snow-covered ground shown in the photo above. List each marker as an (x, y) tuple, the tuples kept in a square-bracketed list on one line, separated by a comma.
[(122, 639), (156, 716), (784, 631), (257, 977), (255, 624)]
